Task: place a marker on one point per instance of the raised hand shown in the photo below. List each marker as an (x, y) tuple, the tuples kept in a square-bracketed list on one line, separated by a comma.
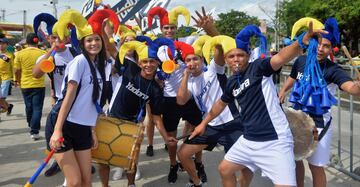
[(206, 22)]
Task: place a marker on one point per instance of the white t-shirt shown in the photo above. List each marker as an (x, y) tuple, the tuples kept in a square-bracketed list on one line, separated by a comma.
[(61, 60), (206, 90), (83, 110)]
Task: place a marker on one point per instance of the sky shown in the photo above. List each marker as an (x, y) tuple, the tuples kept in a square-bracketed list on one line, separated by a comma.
[(14, 8)]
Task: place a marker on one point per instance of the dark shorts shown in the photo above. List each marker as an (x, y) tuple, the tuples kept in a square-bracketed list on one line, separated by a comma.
[(77, 137), (226, 135), (172, 112)]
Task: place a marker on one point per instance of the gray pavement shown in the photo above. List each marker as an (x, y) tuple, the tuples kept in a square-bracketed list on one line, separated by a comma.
[(20, 156)]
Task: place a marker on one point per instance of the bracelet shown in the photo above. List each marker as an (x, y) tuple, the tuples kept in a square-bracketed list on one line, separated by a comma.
[(300, 41)]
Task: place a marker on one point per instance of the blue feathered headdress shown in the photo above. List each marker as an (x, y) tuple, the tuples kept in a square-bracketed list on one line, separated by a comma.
[(49, 19), (333, 36), (242, 39)]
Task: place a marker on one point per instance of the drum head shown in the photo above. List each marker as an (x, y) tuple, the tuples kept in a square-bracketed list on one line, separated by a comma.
[(302, 127), (119, 142)]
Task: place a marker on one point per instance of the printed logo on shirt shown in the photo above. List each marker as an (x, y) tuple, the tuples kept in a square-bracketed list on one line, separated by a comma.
[(59, 70), (5, 58), (136, 91), (204, 90), (243, 85), (299, 76)]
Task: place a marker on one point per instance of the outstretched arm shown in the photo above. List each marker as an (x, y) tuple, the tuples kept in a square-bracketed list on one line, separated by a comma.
[(217, 108), (351, 87)]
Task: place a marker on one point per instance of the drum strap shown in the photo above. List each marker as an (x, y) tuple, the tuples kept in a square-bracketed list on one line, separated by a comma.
[(326, 128)]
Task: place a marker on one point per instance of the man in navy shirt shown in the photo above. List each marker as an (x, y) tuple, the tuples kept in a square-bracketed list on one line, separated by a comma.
[(267, 141), (335, 77)]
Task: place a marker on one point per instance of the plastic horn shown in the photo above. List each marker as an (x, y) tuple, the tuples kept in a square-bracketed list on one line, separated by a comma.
[(347, 54), (306, 95), (41, 167), (170, 66), (47, 65)]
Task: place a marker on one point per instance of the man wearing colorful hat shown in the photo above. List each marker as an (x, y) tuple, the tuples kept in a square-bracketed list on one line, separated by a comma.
[(129, 101), (206, 88), (33, 89), (188, 112), (266, 142), (335, 77)]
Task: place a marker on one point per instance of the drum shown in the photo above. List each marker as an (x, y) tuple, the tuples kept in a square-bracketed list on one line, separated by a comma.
[(304, 132), (119, 142)]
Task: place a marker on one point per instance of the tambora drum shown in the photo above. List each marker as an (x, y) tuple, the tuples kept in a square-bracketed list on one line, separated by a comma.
[(304, 133), (119, 142)]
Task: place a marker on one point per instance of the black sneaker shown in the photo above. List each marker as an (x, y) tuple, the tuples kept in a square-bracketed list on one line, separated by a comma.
[(11, 106), (191, 184), (181, 167), (53, 170), (93, 170), (150, 150), (172, 177), (201, 172)]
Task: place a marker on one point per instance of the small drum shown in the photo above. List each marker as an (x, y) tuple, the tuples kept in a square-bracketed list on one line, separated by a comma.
[(119, 142), (304, 132)]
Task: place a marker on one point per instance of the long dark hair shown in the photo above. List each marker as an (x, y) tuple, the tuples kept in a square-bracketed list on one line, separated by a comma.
[(100, 60)]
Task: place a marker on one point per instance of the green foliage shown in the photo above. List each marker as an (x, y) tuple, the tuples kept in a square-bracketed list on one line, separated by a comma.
[(232, 22), (184, 31), (346, 12)]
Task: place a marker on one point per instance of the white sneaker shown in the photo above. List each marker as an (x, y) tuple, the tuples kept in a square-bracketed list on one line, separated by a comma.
[(138, 174), (133, 185), (35, 137), (65, 183), (118, 174)]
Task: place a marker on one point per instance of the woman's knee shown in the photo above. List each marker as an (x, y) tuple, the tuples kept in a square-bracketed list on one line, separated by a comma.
[(74, 182)]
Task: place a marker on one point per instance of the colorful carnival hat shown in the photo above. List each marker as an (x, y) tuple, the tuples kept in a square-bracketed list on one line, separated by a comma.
[(305, 22), (49, 19), (72, 18), (168, 18), (148, 50), (99, 16), (333, 35), (242, 41)]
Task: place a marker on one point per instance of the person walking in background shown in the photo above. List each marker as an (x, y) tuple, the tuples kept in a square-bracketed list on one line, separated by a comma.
[(33, 89)]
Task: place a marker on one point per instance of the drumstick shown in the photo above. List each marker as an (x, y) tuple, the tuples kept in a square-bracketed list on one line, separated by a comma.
[(347, 54), (41, 167), (182, 136)]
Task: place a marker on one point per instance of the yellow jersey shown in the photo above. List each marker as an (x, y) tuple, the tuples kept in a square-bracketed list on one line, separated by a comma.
[(25, 60), (6, 65)]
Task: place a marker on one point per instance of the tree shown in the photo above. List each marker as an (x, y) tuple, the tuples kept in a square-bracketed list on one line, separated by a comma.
[(184, 31), (232, 22), (346, 12)]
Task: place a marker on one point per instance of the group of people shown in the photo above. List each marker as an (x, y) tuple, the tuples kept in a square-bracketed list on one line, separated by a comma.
[(242, 112)]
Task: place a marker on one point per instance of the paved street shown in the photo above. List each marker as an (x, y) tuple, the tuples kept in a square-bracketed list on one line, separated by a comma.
[(20, 156)]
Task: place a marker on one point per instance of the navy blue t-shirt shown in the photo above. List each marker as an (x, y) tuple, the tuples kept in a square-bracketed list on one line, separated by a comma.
[(135, 91), (254, 90), (333, 74)]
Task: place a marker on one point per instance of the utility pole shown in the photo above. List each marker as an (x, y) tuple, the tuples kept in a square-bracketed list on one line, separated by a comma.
[(3, 15), (54, 2), (24, 29)]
